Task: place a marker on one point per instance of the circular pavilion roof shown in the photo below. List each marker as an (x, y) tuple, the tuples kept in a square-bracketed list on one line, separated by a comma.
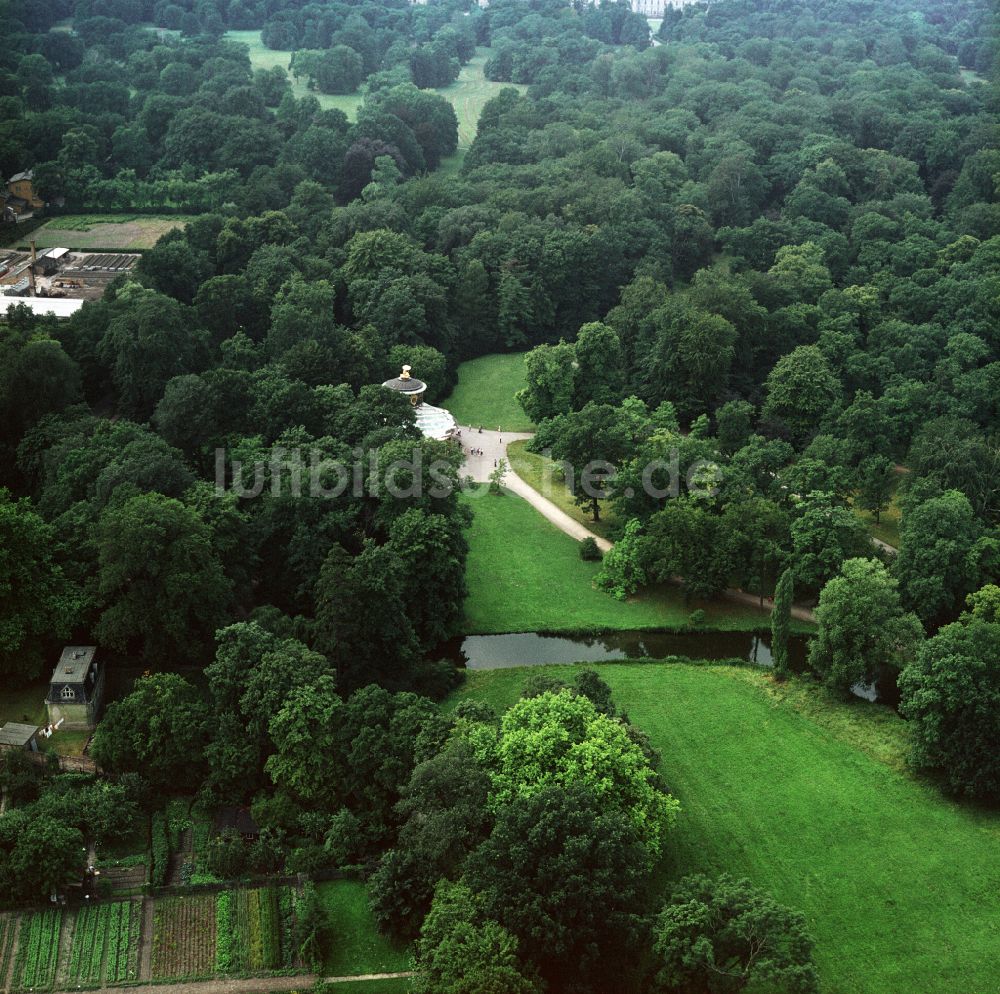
[(404, 383)]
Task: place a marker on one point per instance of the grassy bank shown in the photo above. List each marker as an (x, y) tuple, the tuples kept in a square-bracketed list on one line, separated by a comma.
[(525, 575), (484, 394), (806, 795)]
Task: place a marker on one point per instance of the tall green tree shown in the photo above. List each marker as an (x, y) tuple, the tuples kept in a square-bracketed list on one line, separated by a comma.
[(562, 871), (935, 567), (801, 390), (159, 730), (951, 695), (461, 953), (781, 621), (160, 581), (726, 935), (862, 626), (37, 604)]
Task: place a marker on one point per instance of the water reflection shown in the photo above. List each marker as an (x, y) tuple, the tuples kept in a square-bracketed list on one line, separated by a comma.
[(495, 652), (491, 652)]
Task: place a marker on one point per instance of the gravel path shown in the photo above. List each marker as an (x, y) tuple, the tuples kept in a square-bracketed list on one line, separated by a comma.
[(247, 985), (494, 447)]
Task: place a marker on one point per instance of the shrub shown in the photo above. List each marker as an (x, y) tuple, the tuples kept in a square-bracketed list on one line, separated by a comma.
[(696, 619), (160, 850), (589, 552)]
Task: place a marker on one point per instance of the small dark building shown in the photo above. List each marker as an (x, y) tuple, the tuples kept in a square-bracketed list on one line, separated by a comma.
[(232, 819), (15, 735), (76, 688)]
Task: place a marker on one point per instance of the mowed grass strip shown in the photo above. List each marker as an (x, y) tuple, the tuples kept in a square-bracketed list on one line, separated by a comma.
[(524, 575), (356, 947), (484, 393), (899, 884)]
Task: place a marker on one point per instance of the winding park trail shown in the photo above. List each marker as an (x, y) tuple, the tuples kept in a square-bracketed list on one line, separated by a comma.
[(483, 449)]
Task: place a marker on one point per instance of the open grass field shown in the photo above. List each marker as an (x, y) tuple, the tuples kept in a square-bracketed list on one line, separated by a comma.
[(468, 94), (356, 947), (525, 575), (484, 394), (805, 795), (122, 233), (262, 57), (546, 476)]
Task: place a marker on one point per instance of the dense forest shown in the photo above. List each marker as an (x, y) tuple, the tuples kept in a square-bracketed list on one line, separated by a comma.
[(765, 242)]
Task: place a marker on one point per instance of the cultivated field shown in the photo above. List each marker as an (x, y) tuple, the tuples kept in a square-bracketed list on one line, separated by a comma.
[(184, 937), (120, 233), (808, 796), (255, 930), (105, 945), (37, 957), (8, 932)]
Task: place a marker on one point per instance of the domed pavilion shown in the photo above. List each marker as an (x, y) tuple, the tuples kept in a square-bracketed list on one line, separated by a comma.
[(433, 422)]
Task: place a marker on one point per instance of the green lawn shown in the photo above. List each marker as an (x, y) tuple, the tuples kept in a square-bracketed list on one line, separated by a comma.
[(484, 394), (262, 57), (899, 885), (887, 529), (25, 704), (546, 476), (524, 575), (469, 94), (356, 946)]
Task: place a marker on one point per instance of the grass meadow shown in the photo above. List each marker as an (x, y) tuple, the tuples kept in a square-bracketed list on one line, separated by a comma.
[(808, 796), (356, 947), (484, 394), (525, 575), (468, 94)]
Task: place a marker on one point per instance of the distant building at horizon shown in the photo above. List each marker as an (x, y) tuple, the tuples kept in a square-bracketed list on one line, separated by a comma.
[(657, 8)]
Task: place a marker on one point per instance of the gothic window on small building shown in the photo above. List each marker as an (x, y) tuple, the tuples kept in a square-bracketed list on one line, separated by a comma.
[(68, 694)]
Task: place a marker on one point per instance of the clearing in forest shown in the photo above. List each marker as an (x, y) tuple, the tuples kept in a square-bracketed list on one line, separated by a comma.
[(111, 232)]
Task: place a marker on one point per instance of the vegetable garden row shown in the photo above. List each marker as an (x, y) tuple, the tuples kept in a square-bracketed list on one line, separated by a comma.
[(255, 930), (8, 929), (105, 944), (37, 950), (194, 936), (184, 937)]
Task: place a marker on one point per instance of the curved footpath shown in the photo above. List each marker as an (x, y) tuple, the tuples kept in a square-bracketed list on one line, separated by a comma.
[(493, 447)]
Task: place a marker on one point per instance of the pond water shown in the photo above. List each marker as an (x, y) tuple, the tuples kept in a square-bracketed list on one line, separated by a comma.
[(494, 652)]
